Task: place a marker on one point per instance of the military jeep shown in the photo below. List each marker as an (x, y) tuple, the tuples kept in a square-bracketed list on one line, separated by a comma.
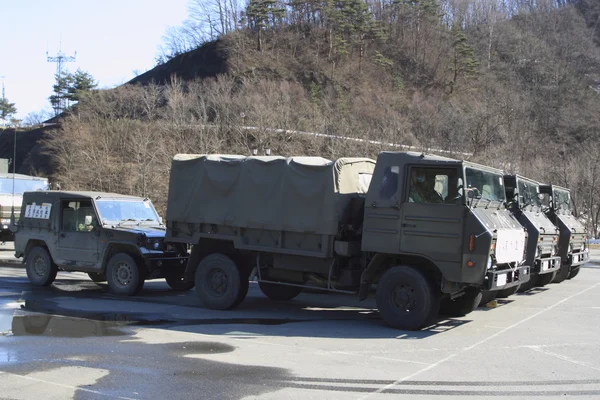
[(114, 238)]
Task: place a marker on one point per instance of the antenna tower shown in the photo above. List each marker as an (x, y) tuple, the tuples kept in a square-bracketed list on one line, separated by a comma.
[(2, 77), (59, 59)]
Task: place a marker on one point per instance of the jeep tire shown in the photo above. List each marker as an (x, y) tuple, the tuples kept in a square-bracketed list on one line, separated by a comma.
[(124, 275), (41, 270), (220, 283), (407, 299)]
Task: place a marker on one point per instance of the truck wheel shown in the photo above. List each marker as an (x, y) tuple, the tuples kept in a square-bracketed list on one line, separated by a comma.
[(177, 281), (279, 292), (463, 305), (41, 271), (124, 275), (97, 277), (562, 274), (220, 284), (406, 298), (545, 279), (504, 293), (487, 296), (574, 272)]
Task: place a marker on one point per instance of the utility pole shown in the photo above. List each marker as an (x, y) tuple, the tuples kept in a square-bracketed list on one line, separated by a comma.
[(59, 59)]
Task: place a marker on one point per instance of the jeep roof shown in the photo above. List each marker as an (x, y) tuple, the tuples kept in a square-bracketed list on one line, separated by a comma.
[(54, 194)]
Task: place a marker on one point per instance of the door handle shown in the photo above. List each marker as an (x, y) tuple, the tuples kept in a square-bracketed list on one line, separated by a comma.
[(409, 225)]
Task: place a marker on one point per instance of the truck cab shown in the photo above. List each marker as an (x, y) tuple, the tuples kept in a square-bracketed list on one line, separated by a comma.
[(524, 200), (112, 237), (572, 242)]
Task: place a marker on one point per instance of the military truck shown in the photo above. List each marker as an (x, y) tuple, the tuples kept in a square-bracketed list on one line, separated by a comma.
[(12, 187), (572, 241), (524, 200), (426, 231), (114, 238)]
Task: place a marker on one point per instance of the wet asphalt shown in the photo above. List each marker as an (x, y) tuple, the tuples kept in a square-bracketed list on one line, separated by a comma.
[(76, 340)]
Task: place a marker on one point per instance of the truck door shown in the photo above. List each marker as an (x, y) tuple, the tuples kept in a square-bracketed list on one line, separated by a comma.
[(433, 213), (382, 212), (77, 238)]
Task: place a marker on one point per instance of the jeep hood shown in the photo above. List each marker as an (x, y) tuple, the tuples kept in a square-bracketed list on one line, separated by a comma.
[(150, 231)]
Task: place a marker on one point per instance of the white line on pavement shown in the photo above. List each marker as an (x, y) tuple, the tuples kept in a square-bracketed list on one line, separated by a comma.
[(451, 356)]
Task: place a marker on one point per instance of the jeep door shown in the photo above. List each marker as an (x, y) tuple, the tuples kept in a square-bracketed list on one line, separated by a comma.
[(78, 235), (432, 213)]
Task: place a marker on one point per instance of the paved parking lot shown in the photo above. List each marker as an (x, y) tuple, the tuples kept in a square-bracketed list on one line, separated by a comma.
[(75, 340)]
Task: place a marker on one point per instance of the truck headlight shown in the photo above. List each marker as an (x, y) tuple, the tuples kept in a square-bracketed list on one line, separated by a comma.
[(553, 251), (538, 251), (583, 246), (570, 247), (489, 262)]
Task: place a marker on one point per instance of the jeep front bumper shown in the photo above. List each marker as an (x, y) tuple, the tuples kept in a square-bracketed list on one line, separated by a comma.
[(547, 265), (507, 278)]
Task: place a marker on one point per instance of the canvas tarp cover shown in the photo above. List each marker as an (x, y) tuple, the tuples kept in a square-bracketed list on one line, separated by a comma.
[(298, 194)]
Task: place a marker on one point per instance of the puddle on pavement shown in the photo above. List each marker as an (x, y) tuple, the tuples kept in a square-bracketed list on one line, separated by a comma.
[(61, 326), (201, 348)]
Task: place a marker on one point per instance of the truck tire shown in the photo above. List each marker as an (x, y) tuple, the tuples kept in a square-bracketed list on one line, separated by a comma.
[(487, 296), (462, 305), (407, 299), (504, 293), (274, 291), (97, 277), (562, 274), (220, 283), (41, 271), (124, 275), (574, 272), (177, 281), (545, 279)]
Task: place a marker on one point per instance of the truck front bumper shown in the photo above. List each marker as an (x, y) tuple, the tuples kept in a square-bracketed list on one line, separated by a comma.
[(576, 259), (547, 265), (161, 266), (507, 278)]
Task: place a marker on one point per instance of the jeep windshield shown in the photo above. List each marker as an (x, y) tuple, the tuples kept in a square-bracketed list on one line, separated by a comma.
[(21, 185), (528, 194), (484, 187), (126, 211), (562, 201)]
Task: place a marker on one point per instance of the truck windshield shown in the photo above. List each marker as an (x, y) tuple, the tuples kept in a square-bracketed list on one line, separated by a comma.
[(485, 185), (22, 185), (562, 200), (126, 210), (528, 194)]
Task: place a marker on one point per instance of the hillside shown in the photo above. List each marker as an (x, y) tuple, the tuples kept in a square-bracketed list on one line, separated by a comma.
[(513, 86)]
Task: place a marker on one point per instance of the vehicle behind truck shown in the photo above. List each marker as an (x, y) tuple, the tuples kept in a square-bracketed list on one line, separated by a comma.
[(12, 187), (525, 202), (428, 232), (114, 238), (572, 242)]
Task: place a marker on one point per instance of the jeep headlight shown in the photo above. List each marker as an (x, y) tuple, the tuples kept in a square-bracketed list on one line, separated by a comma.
[(153, 244)]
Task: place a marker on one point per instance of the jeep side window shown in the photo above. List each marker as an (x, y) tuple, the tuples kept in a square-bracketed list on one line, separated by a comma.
[(389, 183), (78, 216), (434, 185)]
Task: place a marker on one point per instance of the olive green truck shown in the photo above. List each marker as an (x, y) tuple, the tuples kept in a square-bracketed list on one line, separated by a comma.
[(428, 233)]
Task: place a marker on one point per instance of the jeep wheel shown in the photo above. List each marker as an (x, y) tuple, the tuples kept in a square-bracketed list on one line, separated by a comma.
[(406, 298), (124, 275), (97, 277), (220, 284), (562, 274), (504, 293), (41, 271), (177, 281), (274, 291), (462, 305), (574, 272), (545, 279)]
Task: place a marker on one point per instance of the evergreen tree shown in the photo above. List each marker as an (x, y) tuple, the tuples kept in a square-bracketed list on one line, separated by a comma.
[(259, 12), (69, 88), (7, 109), (463, 63), (81, 82)]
